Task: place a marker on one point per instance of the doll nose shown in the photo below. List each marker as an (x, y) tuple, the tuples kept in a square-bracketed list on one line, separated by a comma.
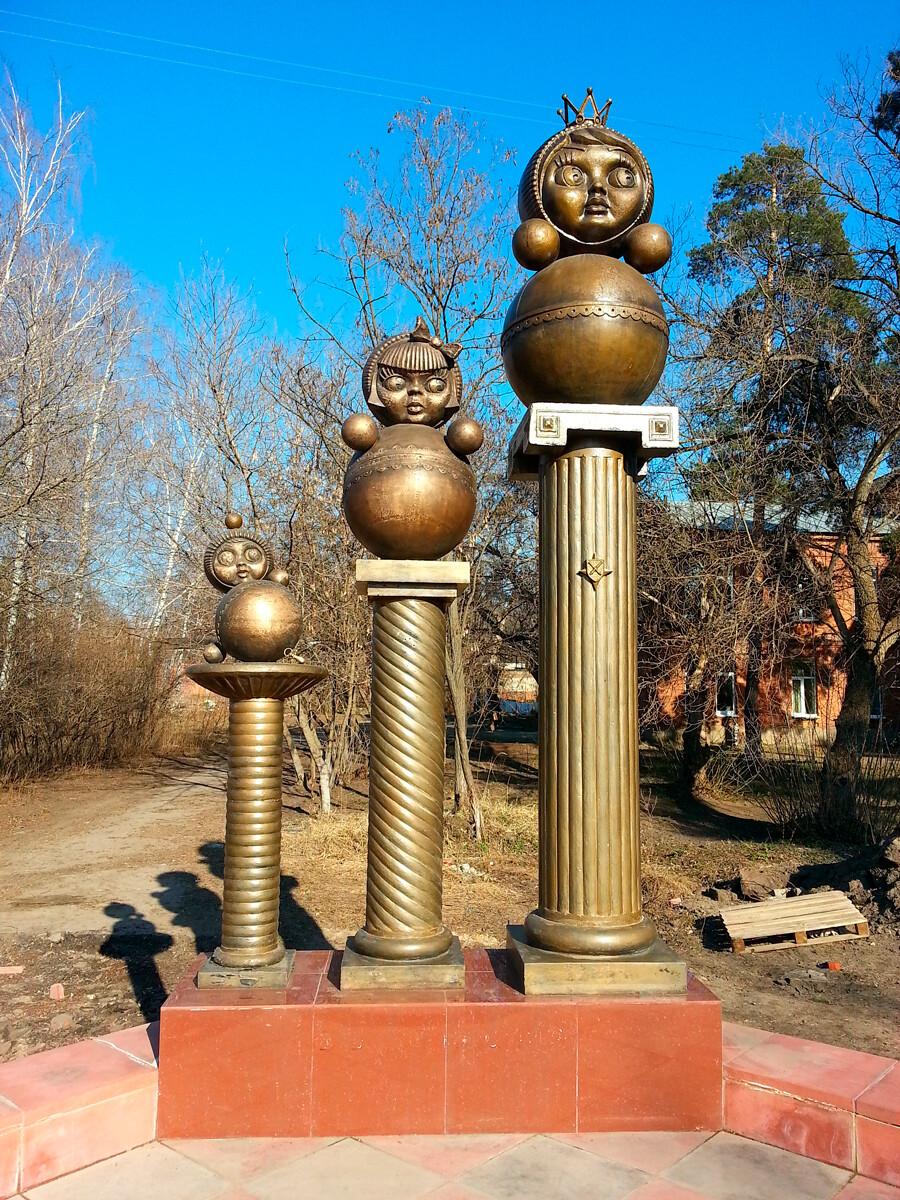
[(414, 388)]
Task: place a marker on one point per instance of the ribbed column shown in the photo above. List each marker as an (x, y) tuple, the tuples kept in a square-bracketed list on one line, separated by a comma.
[(252, 835), (589, 819), (406, 783)]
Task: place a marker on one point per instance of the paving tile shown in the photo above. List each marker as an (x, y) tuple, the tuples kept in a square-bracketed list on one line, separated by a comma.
[(240, 1159), (153, 1172), (663, 1189), (10, 1148), (733, 1168), (878, 1150), (69, 1077), (346, 1170), (867, 1189), (881, 1101), (544, 1167), (454, 1191), (447, 1155), (140, 1043), (738, 1038), (76, 1138), (647, 1151), (813, 1130), (809, 1070)]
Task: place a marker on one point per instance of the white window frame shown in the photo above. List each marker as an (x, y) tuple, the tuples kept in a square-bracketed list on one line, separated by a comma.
[(803, 672), (731, 711)]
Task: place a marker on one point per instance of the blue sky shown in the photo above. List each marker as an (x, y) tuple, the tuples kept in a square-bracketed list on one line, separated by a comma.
[(242, 135)]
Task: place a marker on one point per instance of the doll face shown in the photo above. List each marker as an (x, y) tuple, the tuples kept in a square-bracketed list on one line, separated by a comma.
[(238, 561), (593, 192), (413, 397)]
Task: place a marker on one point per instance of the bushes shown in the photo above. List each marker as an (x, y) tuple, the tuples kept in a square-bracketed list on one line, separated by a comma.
[(94, 696)]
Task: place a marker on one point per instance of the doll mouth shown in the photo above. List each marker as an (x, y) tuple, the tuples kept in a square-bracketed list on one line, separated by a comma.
[(596, 208), (414, 410)]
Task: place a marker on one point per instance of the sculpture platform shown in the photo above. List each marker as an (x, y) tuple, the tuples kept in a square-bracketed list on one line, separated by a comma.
[(313, 1061)]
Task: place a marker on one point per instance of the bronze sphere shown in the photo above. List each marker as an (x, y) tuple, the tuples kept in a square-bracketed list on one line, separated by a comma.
[(233, 520), (586, 330), (409, 496), (647, 248), (359, 431), (258, 621), (465, 436), (535, 244), (212, 652)]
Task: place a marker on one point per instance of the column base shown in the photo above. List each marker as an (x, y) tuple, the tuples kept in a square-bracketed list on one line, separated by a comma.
[(274, 975), (654, 971), (361, 972)]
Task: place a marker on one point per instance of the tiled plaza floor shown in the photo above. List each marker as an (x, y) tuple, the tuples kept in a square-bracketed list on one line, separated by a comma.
[(640, 1166)]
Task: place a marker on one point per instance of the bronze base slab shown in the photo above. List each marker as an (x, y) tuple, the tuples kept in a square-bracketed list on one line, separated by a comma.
[(214, 975), (360, 973), (656, 971)]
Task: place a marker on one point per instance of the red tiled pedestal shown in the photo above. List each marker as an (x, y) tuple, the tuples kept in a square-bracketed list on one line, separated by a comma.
[(317, 1062)]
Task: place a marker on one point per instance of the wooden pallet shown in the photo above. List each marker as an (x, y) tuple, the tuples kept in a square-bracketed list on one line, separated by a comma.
[(777, 924)]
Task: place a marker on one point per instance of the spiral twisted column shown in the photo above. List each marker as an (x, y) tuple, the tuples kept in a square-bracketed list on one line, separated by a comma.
[(406, 782), (589, 819)]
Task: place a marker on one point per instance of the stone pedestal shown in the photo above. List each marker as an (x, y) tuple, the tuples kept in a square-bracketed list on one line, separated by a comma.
[(587, 459), (403, 942)]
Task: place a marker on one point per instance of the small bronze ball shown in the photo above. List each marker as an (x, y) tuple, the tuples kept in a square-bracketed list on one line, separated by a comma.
[(535, 244), (233, 520), (360, 431), (465, 436), (212, 652), (279, 575), (257, 621), (647, 248)]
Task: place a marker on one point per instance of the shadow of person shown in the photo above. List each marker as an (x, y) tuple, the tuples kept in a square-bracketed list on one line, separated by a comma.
[(193, 907), (298, 929), (137, 941)]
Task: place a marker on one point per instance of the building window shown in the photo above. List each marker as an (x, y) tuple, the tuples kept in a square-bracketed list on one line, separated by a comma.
[(726, 701), (803, 690), (877, 712), (803, 610)]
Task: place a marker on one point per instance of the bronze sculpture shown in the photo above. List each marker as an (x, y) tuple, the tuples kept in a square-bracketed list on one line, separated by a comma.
[(409, 496), (257, 622), (585, 341)]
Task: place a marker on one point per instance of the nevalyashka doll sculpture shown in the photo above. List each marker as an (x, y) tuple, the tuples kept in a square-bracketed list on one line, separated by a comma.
[(409, 496), (409, 491)]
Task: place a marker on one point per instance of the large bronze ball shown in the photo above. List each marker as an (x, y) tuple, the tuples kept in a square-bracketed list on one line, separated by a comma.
[(588, 329), (409, 496), (257, 621)]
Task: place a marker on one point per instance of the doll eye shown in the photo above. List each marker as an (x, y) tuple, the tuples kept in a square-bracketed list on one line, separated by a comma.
[(622, 177), (225, 558), (570, 176), (436, 384), (396, 383), (253, 555)]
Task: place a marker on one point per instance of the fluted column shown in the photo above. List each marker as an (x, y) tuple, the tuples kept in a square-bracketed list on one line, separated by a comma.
[(406, 783), (590, 878), (252, 835)]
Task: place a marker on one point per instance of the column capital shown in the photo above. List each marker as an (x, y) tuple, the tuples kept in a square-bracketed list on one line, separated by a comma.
[(650, 430), (411, 578)]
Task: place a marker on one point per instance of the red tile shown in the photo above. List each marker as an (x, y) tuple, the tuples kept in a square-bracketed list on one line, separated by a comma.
[(141, 1043), (878, 1150), (79, 1137), (650, 1063), (867, 1189), (238, 1070), (738, 1038), (378, 1068), (511, 1067), (10, 1149), (881, 1101), (813, 1130), (70, 1077), (809, 1070), (315, 962), (661, 1189), (447, 1156)]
